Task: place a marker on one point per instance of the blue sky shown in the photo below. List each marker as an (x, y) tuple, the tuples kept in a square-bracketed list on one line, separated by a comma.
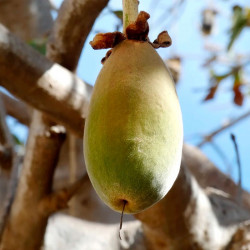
[(199, 118)]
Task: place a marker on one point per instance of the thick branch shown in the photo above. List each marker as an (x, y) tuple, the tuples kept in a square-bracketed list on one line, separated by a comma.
[(36, 181), (189, 219), (41, 83), (27, 19), (208, 175), (73, 24)]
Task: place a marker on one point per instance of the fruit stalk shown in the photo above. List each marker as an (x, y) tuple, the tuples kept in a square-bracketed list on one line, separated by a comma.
[(130, 12)]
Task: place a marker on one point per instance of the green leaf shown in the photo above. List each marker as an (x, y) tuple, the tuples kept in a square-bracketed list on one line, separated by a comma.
[(248, 16), (17, 140), (215, 81), (39, 45), (238, 95), (118, 13), (239, 22)]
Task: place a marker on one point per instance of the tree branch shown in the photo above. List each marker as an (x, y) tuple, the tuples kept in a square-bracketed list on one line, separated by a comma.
[(29, 19), (73, 24), (36, 181), (37, 157), (208, 175), (16, 109), (47, 87), (209, 137), (188, 218), (42, 82), (59, 199)]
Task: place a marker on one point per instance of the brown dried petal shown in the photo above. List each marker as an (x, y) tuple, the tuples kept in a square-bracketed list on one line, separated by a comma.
[(140, 28), (163, 40), (238, 96), (107, 40), (211, 93)]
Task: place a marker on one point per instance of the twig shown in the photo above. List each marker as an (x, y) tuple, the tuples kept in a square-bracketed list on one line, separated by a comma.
[(209, 137), (239, 194), (59, 199), (16, 109)]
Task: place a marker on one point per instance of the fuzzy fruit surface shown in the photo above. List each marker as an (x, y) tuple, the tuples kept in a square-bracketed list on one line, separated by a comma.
[(133, 133)]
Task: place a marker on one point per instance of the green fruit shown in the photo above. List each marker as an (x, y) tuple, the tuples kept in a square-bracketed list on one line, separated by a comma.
[(133, 133)]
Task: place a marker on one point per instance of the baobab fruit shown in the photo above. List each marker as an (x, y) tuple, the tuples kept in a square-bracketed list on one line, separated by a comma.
[(133, 133)]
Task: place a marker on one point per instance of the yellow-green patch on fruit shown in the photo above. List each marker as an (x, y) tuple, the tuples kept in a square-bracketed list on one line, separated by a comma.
[(133, 133)]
